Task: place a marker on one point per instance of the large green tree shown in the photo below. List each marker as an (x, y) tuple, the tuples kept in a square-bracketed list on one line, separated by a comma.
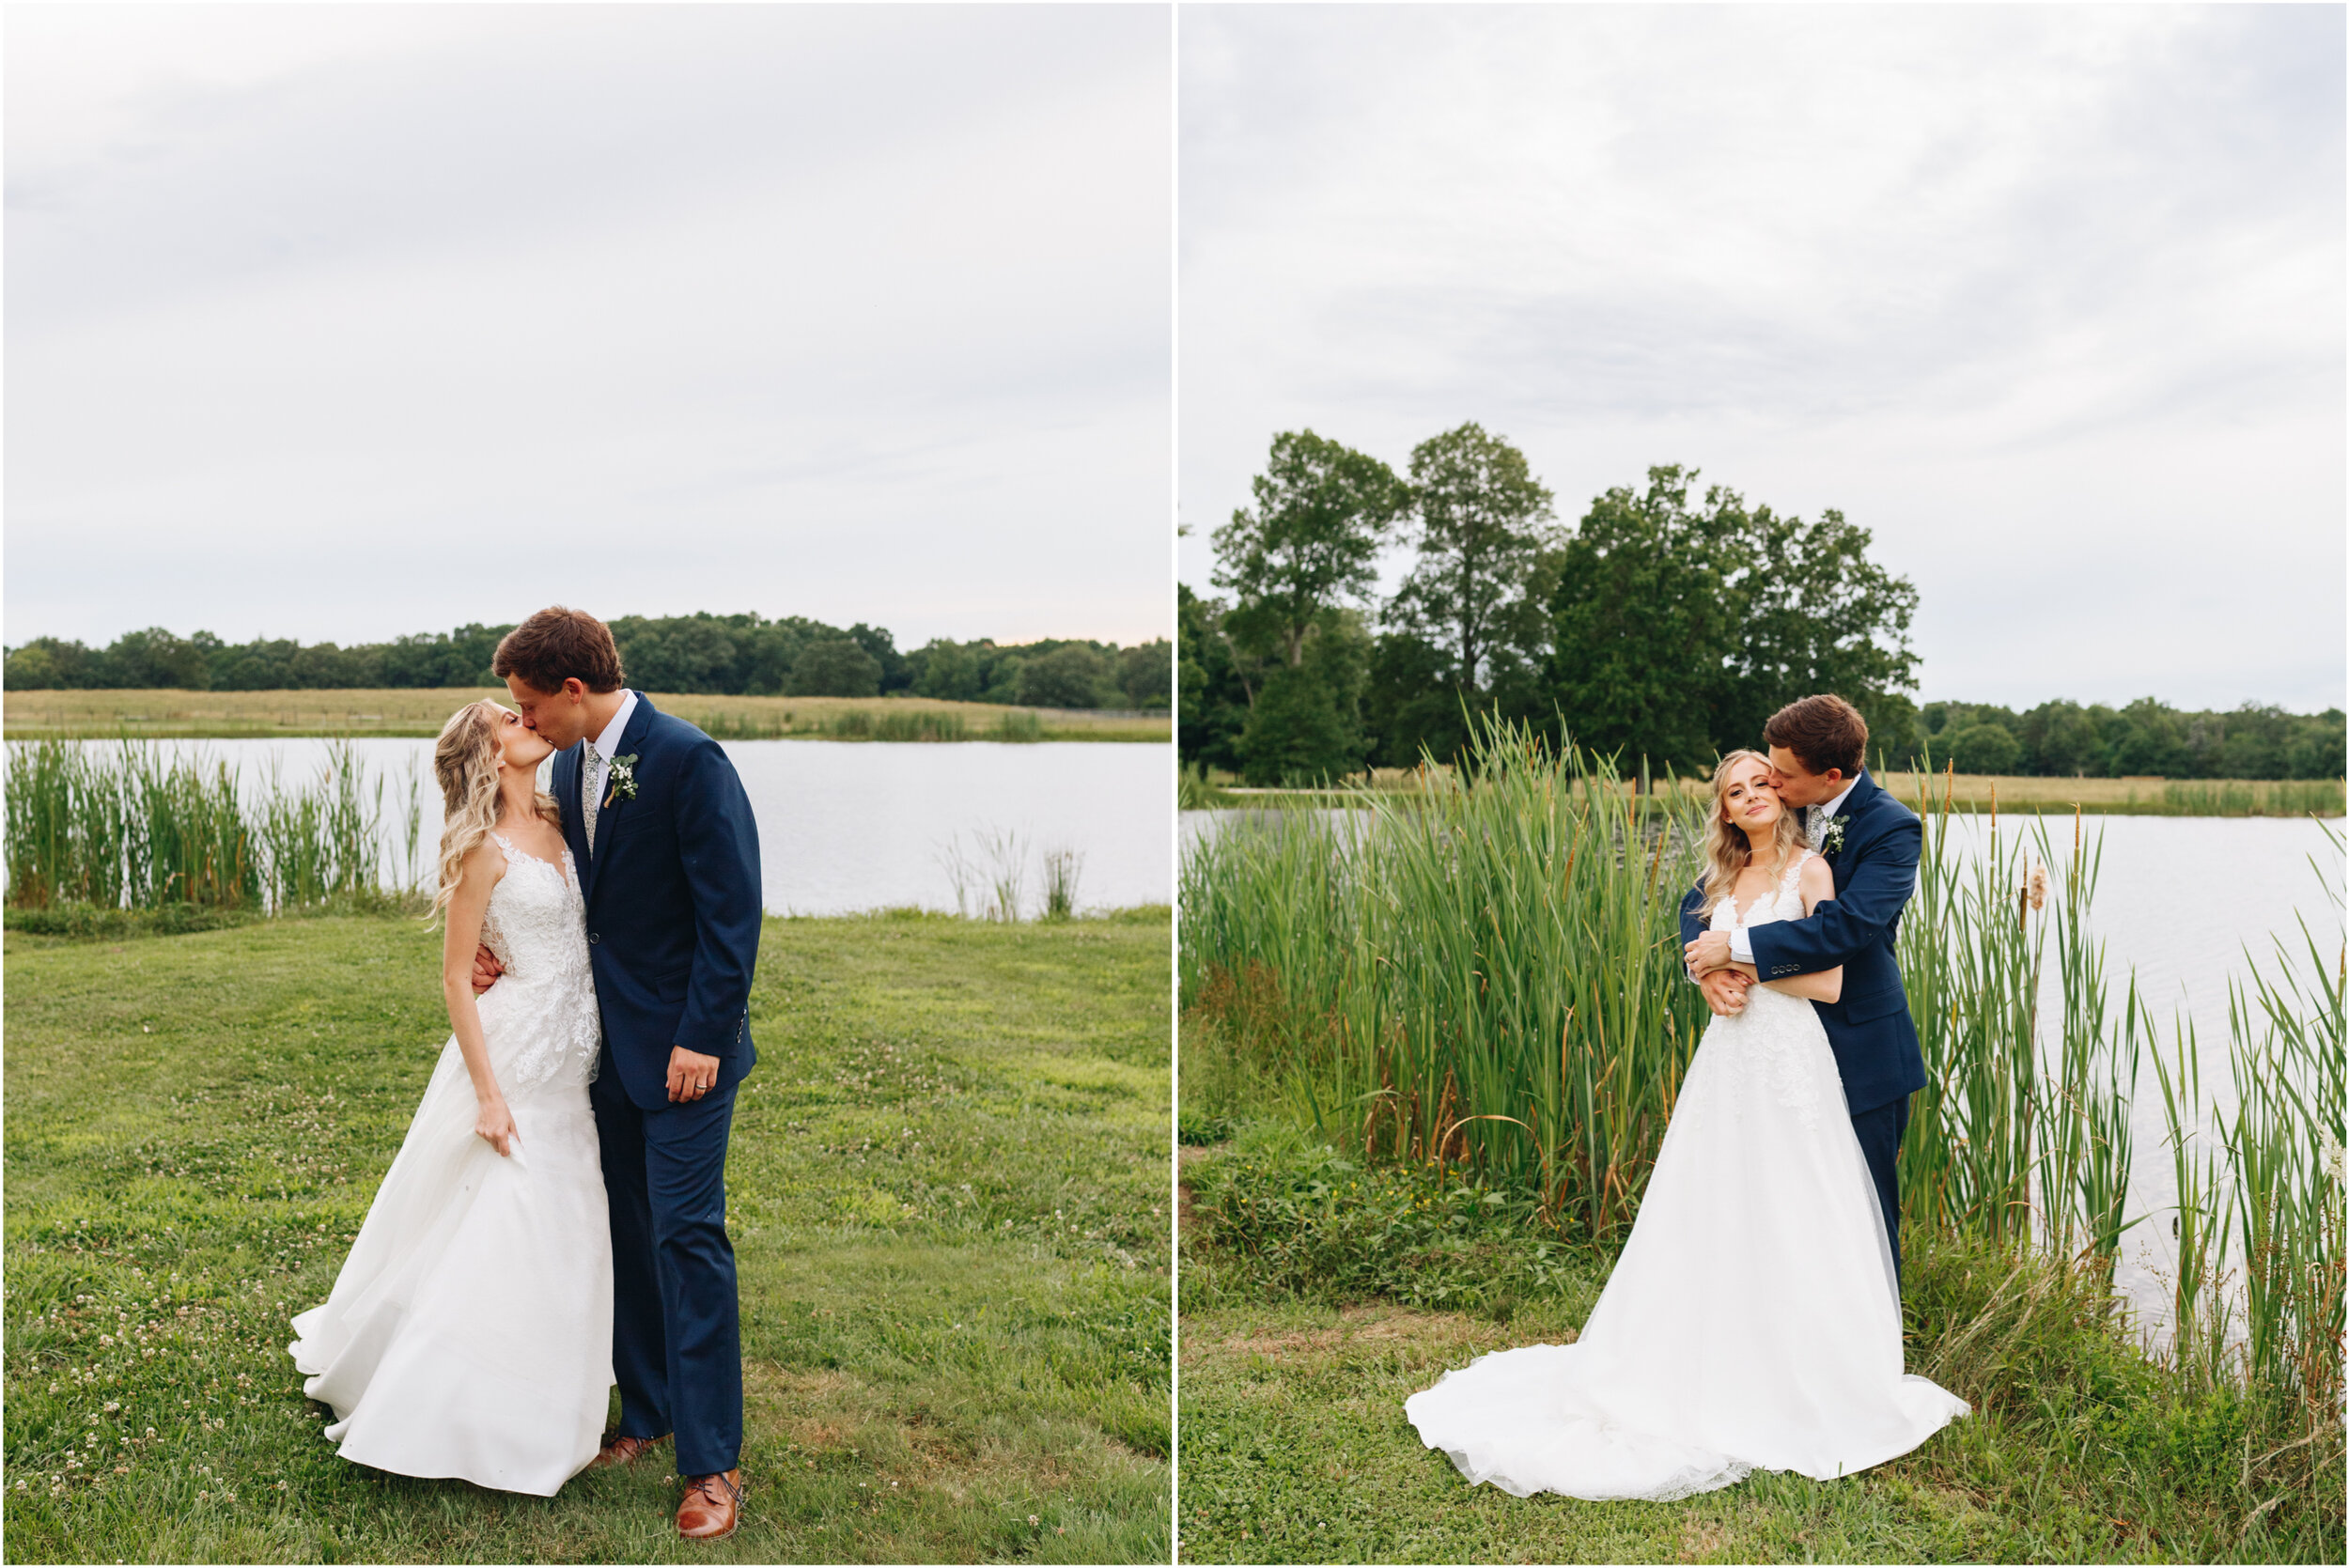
[(1814, 613), (1145, 674), (1482, 523), (1215, 686), (835, 667), (1071, 676), (1309, 541), (1305, 727), (1641, 623), (1678, 627)]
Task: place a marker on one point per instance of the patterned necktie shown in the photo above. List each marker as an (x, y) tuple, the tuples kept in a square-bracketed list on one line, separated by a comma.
[(1814, 822), (590, 792)]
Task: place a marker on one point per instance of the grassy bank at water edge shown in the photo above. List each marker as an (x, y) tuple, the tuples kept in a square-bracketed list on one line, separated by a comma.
[(1319, 1293), (420, 712), (947, 1187)]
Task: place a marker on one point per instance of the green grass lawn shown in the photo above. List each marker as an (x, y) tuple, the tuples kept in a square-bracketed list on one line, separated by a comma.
[(948, 1191), (1318, 1296)]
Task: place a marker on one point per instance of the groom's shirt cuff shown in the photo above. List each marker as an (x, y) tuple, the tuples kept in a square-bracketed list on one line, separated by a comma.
[(1741, 947)]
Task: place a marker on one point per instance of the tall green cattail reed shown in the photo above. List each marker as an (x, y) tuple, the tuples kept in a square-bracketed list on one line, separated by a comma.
[(125, 826), (2268, 1178), (1485, 976), (128, 825), (1063, 868), (2021, 1134), (327, 841)]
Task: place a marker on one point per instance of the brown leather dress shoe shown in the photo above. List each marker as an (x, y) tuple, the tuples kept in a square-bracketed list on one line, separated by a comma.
[(619, 1449), (711, 1508)]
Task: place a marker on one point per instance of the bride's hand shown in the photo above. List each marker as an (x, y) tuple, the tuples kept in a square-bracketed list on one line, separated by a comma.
[(495, 1126)]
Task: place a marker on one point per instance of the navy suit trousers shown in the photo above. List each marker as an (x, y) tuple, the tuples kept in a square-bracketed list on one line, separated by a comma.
[(677, 1336), (1880, 1133)]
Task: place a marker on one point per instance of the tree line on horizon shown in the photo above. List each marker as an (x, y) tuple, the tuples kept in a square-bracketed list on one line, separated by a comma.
[(744, 655), (1662, 628)]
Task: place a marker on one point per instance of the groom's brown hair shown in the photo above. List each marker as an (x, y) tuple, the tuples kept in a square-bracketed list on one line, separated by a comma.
[(1822, 732), (558, 645)]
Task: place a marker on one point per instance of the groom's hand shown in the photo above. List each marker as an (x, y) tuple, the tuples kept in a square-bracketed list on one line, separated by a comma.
[(1724, 992), (692, 1075), (1707, 953), (486, 969)]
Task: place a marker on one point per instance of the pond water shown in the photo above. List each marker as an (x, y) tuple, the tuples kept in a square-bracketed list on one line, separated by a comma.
[(866, 825), (2179, 902)]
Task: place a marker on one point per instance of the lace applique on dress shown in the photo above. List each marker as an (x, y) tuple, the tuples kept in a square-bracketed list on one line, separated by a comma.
[(545, 1028), (1765, 1049)]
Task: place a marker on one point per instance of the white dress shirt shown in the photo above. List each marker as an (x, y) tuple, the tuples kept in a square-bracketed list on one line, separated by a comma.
[(597, 765), (1814, 825)]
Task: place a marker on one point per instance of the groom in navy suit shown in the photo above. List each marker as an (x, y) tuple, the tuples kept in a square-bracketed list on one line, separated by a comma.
[(1870, 842), (667, 852)]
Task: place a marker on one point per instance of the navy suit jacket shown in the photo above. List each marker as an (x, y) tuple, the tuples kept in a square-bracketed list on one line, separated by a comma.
[(674, 904), (1869, 1029)]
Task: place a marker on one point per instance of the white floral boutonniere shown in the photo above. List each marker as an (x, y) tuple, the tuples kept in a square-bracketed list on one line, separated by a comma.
[(1832, 842), (623, 778)]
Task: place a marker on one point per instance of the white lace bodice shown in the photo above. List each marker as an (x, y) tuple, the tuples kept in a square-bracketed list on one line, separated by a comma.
[(1776, 1044), (539, 1020), (1784, 903)]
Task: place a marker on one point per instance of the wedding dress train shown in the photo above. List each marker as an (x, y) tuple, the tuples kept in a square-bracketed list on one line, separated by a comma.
[(1753, 1319), (469, 1333)]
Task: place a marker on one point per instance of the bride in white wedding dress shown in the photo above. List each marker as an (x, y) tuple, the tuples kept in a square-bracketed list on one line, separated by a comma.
[(1753, 1320), (469, 1333)]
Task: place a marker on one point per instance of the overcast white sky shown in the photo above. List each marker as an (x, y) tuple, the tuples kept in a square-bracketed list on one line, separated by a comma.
[(2051, 299), (340, 322)]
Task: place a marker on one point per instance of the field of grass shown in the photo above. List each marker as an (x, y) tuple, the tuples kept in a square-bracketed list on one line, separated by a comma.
[(947, 1183), (1319, 1293), (420, 713), (1206, 789)]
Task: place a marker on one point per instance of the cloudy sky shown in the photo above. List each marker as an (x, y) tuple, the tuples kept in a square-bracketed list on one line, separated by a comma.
[(2051, 299), (340, 322)]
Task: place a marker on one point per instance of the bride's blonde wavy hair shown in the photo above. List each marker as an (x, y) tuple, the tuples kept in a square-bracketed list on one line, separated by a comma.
[(1727, 849), (465, 760)]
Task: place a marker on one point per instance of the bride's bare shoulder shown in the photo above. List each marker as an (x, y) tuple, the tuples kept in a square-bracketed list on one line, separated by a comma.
[(1817, 881), (484, 864)]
